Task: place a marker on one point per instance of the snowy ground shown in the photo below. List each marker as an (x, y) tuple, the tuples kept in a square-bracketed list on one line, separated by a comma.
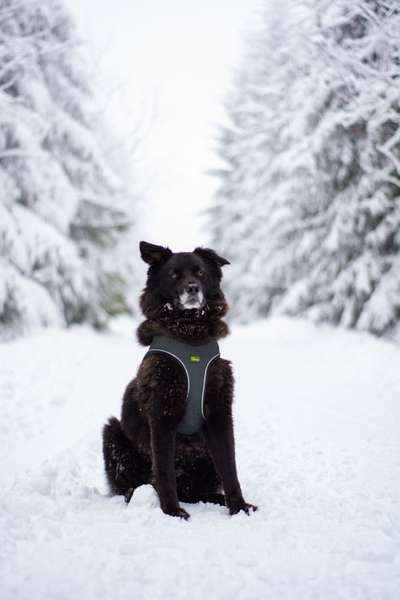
[(318, 449)]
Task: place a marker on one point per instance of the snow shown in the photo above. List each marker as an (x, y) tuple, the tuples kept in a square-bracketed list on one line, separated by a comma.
[(318, 450)]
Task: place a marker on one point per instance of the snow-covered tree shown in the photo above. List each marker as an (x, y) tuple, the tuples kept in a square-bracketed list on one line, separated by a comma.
[(64, 212), (259, 145), (316, 199)]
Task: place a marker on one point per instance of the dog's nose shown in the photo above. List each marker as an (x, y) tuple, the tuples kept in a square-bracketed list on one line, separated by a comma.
[(192, 287)]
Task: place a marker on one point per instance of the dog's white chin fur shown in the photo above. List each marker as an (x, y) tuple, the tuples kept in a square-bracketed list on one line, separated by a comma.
[(187, 303)]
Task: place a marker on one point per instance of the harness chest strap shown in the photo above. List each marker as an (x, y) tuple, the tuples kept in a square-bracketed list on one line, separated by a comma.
[(195, 361)]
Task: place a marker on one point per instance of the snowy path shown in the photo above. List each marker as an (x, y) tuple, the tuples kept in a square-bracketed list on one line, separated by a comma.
[(318, 449)]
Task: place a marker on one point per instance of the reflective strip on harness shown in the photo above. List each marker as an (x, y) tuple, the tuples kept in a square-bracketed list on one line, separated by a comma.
[(195, 361)]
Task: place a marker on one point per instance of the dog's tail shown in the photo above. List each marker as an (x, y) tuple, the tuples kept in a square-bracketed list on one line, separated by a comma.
[(125, 468)]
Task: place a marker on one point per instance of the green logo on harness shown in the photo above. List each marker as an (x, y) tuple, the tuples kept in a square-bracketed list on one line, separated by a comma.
[(194, 358)]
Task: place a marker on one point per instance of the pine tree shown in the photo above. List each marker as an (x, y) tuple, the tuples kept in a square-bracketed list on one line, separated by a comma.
[(64, 212), (321, 229), (353, 278)]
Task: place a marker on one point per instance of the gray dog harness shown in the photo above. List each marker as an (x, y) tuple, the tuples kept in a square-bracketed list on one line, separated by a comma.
[(195, 361)]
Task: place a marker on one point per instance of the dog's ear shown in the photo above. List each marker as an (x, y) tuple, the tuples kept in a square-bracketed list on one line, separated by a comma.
[(154, 255), (212, 256)]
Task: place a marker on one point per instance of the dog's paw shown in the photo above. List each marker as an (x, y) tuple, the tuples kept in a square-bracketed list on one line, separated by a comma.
[(128, 495), (183, 514), (177, 512), (240, 505)]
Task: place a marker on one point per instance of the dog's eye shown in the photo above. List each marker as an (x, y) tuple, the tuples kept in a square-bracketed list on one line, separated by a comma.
[(200, 273), (174, 274)]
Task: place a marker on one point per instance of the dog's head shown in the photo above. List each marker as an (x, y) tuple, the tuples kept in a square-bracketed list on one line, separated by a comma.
[(181, 281)]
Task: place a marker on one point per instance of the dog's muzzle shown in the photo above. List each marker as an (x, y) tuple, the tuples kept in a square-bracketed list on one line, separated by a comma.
[(191, 297)]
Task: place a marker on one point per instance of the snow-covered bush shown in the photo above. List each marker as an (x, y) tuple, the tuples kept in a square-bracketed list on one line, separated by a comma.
[(64, 212), (308, 206)]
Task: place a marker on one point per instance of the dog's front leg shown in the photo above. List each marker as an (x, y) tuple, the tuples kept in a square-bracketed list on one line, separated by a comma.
[(218, 432), (163, 460)]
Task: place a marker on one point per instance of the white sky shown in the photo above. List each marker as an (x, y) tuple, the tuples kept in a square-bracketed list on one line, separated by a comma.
[(169, 63)]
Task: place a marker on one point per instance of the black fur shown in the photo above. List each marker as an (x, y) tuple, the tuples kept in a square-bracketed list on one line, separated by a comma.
[(144, 447)]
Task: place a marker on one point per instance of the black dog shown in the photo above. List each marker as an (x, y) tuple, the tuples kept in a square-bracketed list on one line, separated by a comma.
[(182, 300)]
